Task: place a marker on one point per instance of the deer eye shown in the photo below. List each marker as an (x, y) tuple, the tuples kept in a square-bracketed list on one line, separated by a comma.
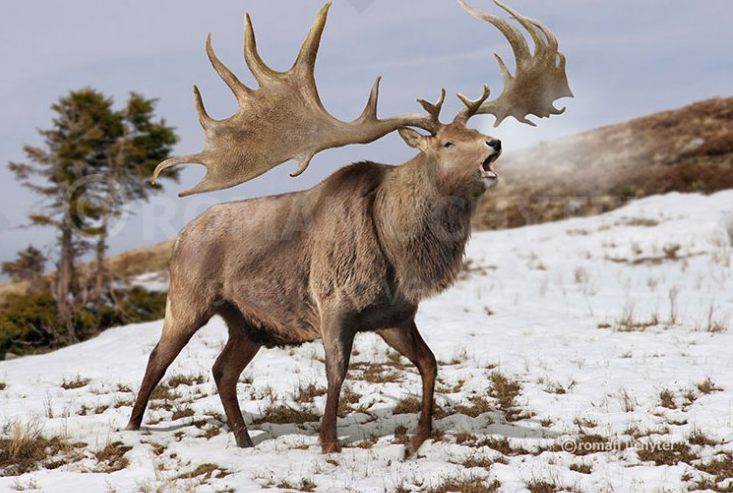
[(448, 144)]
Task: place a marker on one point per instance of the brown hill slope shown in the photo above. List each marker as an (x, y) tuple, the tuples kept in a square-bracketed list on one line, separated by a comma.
[(123, 266), (685, 150)]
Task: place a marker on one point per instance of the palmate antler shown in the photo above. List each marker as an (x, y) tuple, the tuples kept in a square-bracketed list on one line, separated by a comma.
[(539, 79), (284, 118)]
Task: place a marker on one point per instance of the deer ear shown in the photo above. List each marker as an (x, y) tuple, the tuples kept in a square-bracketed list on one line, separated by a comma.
[(412, 138)]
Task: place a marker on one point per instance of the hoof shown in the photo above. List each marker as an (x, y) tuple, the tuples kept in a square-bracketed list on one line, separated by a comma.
[(245, 442), (415, 443), (132, 426), (327, 448)]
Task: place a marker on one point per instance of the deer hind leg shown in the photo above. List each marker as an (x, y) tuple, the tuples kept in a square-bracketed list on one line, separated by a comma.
[(178, 328), (408, 342), (235, 356), (337, 341)]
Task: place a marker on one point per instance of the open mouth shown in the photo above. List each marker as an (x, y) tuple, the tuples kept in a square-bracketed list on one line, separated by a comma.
[(487, 167)]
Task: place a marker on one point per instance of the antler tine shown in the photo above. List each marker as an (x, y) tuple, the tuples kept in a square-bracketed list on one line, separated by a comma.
[(516, 40), (240, 90), (261, 72), (551, 39), (306, 60), (472, 105), (527, 24), (434, 109), (370, 110), (204, 118), (538, 79)]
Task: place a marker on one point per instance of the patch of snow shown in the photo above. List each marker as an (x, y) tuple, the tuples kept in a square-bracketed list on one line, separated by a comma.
[(595, 319)]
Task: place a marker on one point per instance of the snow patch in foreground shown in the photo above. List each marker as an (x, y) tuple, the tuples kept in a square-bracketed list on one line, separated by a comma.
[(615, 329)]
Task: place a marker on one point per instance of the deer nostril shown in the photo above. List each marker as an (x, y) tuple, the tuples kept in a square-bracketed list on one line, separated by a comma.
[(494, 144)]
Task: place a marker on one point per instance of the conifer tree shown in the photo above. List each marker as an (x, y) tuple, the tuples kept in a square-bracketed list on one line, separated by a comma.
[(89, 155)]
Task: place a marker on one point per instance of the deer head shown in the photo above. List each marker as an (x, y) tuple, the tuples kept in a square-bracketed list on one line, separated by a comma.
[(456, 158), (284, 118)]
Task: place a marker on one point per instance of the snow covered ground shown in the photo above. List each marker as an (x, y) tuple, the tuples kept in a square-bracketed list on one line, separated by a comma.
[(589, 355)]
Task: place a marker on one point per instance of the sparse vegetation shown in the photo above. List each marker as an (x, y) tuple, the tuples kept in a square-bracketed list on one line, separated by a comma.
[(482, 461), (707, 386), (400, 435), (348, 402), (187, 380), (697, 437), (506, 391), (306, 394), (542, 486), (581, 468), (408, 405), (670, 455), (28, 322), (75, 383), (204, 472), (24, 448), (478, 406), (304, 484), (465, 485), (628, 401), (286, 415), (720, 470), (182, 412), (112, 457), (666, 399)]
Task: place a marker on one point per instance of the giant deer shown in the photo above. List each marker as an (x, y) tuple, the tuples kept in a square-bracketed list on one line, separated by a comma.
[(370, 242)]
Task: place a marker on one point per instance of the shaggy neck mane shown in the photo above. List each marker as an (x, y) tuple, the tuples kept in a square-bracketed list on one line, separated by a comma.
[(423, 225)]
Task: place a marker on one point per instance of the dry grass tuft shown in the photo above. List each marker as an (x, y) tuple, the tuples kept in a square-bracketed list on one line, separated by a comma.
[(707, 386), (112, 457), (506, 392), (408, 405), (666, 399), (376, 372), (721, 471), (23, 448), (400, 435), (188, 380), (304, 484), (307, 394), (483, 461), (207, 470), (348, 403), (366, 443), (163, 397), (183, 412), (581, 468), (76, 383), (479, 405), (465, 485), (542, 486), (697, 437), (286, 415), (667, 456)]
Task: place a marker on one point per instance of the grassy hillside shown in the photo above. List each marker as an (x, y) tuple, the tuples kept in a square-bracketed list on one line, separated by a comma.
[(684, 150)]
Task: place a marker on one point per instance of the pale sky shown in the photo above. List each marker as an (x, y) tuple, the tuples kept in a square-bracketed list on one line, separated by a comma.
[(625, 59)]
